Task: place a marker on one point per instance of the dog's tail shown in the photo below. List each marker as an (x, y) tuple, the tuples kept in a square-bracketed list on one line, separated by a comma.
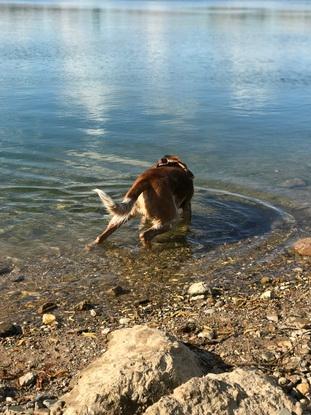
[(123, 209)]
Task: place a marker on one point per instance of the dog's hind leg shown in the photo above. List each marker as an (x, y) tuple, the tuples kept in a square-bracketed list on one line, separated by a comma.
[(112, 226), (158, 228)]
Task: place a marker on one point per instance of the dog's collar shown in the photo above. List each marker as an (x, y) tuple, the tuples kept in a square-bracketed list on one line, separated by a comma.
[(171, 162)]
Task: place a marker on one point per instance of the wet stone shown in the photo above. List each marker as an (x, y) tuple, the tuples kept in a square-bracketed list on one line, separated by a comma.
[(27, 379), (82, 306), (142, 301), (9, 329), (19, 278), (48, 306), (5, 269), (118, 290), (293, 183), (188, 327), (199, 288), (303, 388)]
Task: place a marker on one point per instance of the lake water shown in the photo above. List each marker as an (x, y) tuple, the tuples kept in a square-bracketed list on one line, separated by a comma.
[(93, 92)]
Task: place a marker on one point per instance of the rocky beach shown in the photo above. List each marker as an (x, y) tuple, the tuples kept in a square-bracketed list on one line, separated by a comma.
[(249, 311)]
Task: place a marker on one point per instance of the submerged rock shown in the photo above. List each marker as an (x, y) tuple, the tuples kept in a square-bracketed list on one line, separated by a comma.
[(145, 371), (303, 247), (292, 183)]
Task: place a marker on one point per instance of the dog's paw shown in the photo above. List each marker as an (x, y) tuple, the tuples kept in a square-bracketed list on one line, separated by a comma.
[(146, 244), (90, 247)]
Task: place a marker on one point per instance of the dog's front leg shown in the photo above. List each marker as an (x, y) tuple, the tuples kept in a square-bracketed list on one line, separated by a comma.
[(187, 213)]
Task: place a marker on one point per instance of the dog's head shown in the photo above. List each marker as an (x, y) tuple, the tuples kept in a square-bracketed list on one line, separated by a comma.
[(174, 161)]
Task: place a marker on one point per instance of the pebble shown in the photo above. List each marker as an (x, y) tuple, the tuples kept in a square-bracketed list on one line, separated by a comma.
[(82, 306), (197, 297), (303, 388), (93, 312), (48, 306), (124, 321), (273, 317), (142, 301), (19, 278), (282, 381), (199, 288), (9, 329), (27, 379), (265, 280), (207, 334), (188, 327), (5, 270), (267, 295), (48, 319), (268, 356), (117, 291)]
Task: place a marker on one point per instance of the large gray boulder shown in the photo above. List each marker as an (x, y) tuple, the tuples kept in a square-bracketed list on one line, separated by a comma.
[(145, 371), (141, 365), (239, 392)]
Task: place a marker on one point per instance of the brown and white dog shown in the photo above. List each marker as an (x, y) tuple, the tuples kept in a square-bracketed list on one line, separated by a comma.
[(156, 195)]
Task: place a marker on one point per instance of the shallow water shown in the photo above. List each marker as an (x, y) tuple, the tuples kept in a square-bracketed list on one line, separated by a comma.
[(93, 92)]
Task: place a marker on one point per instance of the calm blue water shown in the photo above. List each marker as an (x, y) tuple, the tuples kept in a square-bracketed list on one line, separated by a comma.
[(92, 92)]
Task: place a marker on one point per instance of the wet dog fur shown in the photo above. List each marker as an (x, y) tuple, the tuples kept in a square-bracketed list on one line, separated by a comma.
[(156, 195)]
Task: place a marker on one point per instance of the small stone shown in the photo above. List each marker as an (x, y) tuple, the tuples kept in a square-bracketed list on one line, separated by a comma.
[(267, 295), (9, 399), (219, 303), (93, 312), (5, 269), (303, 247), (141, 301), (299, 323), (19, 278), (208, 334), (273, 317), (117, 291), (48, 319), (199, 288), (265, 280), (27, 379), (82, 306), (9, 329), (105, 331), (124, 321), (268, 356), (303, 388), (197, 297), (188, 327), (282, 381), (49, 402), (48, 306)]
